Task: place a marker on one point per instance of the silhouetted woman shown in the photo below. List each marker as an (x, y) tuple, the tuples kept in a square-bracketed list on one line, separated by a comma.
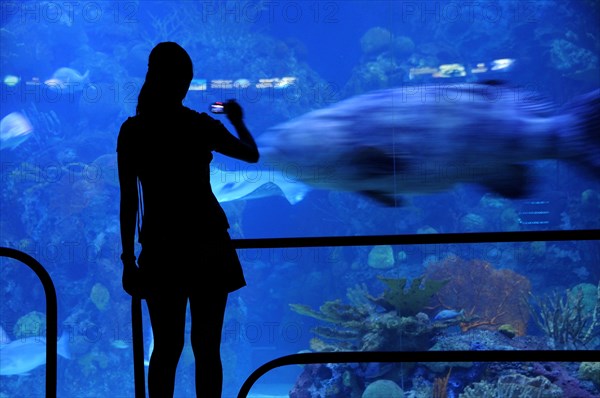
[(164, 153)]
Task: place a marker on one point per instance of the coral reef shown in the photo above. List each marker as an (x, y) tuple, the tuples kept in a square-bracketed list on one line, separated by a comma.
[(47, 125), (322, 380), (473, 222), (333, 311), (402, 45), (383, 61), (477, 340), (569, 320), (406, 299), (513, 386), (568, 56), (558, 374), (32, 324), (590, 371), (440, 386), (490, 297), (376, 40), (366, 330), (100, 296), (93, 362), (364, 327), (381, 257)]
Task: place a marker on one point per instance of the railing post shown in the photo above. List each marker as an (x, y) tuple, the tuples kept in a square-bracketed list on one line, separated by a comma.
[(138, 347), (51, 314)]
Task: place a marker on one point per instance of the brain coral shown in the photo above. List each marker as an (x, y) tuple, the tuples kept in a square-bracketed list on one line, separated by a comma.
[(381, 257), (383, 388), (376, 40), (31, 324), (100, 296)]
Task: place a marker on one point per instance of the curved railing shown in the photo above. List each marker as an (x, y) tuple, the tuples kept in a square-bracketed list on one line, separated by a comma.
[(420, 356), (51, 314), (329, 357)]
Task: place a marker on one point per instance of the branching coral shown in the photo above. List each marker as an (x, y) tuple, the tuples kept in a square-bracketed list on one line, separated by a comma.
[(489, 297), (362, 326), (358, 295), (347, 321), (440, 386), (333, 311), (47, 125), (513, 386), (408, 300), (565, 319)]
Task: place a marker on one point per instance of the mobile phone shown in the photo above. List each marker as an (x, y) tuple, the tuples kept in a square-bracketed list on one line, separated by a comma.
[(217, 107)]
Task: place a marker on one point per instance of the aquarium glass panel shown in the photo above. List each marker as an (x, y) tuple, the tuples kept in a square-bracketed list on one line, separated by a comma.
[(372, 118)]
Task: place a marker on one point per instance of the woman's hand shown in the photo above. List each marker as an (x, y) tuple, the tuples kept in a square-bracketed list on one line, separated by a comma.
[(131, 278), (234, 111)]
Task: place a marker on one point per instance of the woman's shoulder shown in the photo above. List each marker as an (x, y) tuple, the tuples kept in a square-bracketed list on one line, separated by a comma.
[(199, 117), (129, 123), (128, 132)]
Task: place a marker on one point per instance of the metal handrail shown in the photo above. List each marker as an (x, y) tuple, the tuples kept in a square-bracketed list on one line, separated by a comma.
[(418, 356), (51, 314), (421, 356), (339, 357), (419, 239)]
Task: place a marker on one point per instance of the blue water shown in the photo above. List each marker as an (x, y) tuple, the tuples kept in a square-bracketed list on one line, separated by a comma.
[(59, 196)]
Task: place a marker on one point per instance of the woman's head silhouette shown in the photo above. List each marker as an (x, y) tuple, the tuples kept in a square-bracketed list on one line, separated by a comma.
[(170, 72)]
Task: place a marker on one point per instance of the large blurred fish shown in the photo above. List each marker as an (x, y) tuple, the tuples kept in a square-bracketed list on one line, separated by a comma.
[(19, 357), (425, 139)]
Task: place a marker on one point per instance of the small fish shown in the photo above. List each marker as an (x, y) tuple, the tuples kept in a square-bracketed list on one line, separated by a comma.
[(21, 356), (4, 339), (67, 77), (11, 80), (445, 315), (15, 129), (120, 344)]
